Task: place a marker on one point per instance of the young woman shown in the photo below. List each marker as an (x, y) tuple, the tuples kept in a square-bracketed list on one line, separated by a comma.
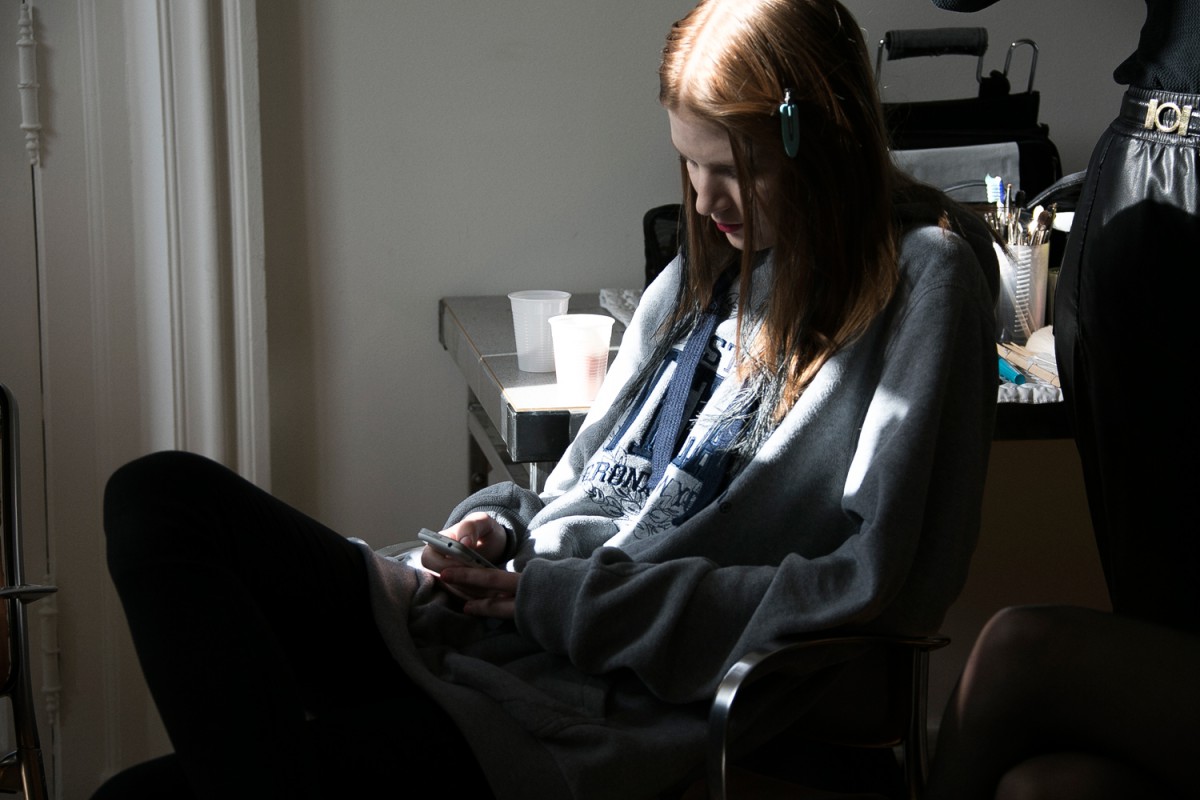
[(793, 438)]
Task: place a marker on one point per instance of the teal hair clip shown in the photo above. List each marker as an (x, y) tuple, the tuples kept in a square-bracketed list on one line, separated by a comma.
[(789, 122)]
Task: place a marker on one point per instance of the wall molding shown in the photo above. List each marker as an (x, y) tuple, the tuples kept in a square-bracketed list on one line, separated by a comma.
[(247, 241), (27, 84), (151, 249), (199, 184)]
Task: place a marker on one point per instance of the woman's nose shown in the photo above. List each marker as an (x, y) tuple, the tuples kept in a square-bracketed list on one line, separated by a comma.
[(709, 199)]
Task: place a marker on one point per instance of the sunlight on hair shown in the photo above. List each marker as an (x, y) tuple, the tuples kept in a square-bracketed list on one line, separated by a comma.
[(723, 20)]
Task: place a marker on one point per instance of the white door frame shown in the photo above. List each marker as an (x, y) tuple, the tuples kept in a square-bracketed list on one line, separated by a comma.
[(151, 265)]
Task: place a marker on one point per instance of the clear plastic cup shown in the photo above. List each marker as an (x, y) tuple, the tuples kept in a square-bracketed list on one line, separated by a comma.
[(581, 345), (1021, 309), (531, 311)]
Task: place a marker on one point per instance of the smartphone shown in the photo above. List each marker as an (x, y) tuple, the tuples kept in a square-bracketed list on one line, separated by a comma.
[(453, 548)]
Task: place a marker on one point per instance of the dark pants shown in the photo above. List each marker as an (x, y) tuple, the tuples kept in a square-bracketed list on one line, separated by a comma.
[(1124, 317), (253, 626)]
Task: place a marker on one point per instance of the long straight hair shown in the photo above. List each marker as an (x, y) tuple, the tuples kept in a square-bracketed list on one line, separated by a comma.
[(830, 208)]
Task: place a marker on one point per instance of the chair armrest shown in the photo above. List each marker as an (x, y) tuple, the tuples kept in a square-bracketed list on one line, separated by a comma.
[(761, 663), (27, 593)]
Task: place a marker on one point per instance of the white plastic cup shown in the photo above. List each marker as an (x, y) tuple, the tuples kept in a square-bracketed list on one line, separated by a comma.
[(531, 311), (581, 344)]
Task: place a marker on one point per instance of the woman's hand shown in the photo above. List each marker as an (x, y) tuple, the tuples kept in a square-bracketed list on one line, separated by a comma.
[(487, 592), (477, 531)]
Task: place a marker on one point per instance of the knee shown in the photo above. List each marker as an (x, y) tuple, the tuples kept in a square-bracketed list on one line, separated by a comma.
[(153, 478), (1017, 631), (147, 491), (1030, 633), (1028, 780), (1071, 775), (1016, 650)]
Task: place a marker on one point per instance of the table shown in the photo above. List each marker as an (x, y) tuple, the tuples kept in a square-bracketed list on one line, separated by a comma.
[(517, 422), (518, 425)]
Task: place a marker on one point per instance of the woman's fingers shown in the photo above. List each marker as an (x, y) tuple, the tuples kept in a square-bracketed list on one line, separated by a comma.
[(498, 607), (481, 532), (492, 592)]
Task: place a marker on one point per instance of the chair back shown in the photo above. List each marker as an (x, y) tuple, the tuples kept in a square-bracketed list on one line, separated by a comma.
[(662, 232)]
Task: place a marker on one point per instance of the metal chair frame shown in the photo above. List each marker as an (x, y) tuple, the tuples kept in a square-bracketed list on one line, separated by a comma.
[(907, 730), (22, 770)]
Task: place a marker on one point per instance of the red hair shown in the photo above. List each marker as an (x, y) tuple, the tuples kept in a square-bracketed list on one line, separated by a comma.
[(830, 208)]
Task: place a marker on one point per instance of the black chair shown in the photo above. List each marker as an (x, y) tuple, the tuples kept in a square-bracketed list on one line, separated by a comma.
[(877, 703), (662, 232), (22, 770)]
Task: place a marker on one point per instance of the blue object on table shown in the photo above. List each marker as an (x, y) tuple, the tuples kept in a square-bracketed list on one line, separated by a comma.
[(1010, 373)]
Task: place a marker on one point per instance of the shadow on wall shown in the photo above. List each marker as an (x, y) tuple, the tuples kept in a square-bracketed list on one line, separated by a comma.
[(289, 268)]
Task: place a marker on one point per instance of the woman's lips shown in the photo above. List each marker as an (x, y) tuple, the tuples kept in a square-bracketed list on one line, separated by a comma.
[(725, 227)]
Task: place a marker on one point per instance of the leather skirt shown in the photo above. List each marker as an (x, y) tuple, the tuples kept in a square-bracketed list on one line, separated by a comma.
[(1124, 317)]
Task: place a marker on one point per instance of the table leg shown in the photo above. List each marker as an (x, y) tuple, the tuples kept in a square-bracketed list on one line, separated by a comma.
[(478, 468), (487, 452), (538, 472)]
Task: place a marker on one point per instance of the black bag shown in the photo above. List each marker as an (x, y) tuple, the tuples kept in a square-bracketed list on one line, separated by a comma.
[(996, 115)]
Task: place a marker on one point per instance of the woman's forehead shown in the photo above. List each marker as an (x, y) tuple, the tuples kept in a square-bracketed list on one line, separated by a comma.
[(698, 139)]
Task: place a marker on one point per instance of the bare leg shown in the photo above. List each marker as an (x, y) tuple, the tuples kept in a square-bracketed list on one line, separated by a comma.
[(1054, 680)]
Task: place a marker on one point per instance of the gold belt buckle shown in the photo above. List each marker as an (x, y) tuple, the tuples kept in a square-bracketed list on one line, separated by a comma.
[(1167, 117)]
